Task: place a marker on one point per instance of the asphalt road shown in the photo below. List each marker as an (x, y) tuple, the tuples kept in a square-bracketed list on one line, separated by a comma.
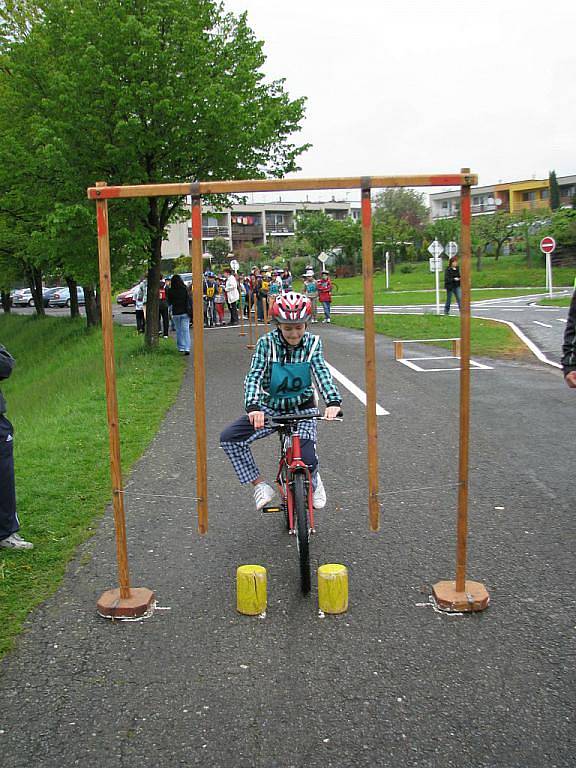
[(390, 683)]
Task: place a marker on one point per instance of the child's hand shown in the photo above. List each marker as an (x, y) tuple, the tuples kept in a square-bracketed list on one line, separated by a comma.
[(257, 419), (571, 379), (331, 412)]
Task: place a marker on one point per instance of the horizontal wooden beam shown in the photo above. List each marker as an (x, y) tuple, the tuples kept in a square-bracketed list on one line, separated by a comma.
[(280, 185)]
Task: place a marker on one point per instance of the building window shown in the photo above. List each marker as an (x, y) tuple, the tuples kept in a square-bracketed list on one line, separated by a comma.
[(444, 203), (526, 196), (544, 194)]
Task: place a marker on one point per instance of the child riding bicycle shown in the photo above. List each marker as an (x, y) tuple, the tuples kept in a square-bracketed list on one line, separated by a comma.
[(279, 382)]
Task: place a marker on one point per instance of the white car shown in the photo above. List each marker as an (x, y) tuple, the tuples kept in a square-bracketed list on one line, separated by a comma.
[(22, 298), (62, 297)]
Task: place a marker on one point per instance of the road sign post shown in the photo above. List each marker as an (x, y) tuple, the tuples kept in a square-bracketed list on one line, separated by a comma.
[(548, 246), (436, 249)]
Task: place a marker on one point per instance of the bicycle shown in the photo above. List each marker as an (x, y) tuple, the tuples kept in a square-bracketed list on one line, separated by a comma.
[(208, 312), (294, 482)]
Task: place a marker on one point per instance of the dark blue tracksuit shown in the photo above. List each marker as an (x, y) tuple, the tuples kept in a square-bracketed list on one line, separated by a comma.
[(8, 518)]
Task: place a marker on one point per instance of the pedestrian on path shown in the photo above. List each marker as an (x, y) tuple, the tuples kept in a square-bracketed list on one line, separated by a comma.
[(280, 381), (569, 346), (140, 295), (164, 319), (9, 523), (232, 295), (180, 301), (324, 286), (452, 283), (311, 290)]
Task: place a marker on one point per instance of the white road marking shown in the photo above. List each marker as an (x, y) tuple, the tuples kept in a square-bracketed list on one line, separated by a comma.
[(561, 320), (544, 325), (356, 391), (409, 362)]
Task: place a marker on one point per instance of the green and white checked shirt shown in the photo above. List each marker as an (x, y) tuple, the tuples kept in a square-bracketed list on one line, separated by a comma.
[(257, 381)]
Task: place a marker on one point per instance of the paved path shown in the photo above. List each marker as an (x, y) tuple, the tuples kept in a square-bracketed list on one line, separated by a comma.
[(391, 683)]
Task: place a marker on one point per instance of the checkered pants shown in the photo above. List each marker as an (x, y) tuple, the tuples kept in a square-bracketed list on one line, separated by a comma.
[(237, 438)]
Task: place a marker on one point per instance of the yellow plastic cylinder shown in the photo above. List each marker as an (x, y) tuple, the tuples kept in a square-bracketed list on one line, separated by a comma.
[(251, 590), (333, 588)]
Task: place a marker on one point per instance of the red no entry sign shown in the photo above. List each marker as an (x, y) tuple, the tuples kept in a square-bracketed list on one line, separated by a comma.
[(547, 244)]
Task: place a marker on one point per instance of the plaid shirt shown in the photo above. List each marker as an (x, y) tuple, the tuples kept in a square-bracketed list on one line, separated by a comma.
[(257, 381)]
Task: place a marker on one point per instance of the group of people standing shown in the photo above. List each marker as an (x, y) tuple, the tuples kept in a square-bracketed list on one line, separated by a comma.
[(261, 287)]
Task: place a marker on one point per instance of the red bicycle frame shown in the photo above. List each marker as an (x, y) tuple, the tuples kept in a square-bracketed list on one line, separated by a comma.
[(291, 461)]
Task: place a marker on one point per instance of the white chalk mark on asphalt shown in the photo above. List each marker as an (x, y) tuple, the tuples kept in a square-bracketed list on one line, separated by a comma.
[(356, 391), (544, 325)]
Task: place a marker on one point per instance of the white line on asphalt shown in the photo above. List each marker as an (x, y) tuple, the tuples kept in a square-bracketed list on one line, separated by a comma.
[(356, 391), (545, 325), (561, 319), (529, 343), (409, 361)]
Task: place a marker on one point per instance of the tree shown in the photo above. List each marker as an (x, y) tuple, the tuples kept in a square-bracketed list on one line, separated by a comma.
[(146, 93), (493, 229), (563, 228), (219, 247), (401, 203), (554, 191)]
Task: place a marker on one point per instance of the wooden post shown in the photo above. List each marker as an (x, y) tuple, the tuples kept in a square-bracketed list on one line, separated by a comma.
[(265, 308), (456, 347), (199, 373), (370, 357), (398, 349), (255, 305), (122, 602), (463, 595)]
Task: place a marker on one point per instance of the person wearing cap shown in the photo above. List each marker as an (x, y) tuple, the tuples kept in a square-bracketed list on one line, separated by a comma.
[(311, 291), (232, 294), (286, 281), (280, 381), (324, 286)]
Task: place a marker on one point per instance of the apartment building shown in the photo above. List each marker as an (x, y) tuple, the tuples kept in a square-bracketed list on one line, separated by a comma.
[(512, 197), (256, 223)]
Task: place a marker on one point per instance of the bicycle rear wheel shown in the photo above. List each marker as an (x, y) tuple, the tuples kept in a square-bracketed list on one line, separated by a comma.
[(302, 530)]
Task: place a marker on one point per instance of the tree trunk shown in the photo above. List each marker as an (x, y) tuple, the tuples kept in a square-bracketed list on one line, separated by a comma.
[(6, 301), (72, 287), (35, 284), (93, 318)]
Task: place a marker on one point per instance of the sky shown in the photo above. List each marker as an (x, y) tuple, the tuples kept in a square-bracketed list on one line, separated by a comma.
[(425, 86)]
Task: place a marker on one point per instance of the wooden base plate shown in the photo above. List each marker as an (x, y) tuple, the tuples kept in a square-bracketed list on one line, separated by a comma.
[(112, 606), (474, 598)]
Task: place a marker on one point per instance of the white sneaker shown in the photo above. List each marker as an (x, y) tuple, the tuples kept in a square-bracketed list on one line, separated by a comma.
[(263, 493), (14, 541), (319, 496)]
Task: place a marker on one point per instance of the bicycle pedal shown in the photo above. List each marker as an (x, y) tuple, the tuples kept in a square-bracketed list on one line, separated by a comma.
[(269, 508)]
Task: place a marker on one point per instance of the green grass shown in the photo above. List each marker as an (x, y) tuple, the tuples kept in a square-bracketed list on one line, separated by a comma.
[(56, 401), (563, 302), (507, 272), (392, 298), (488, 339)]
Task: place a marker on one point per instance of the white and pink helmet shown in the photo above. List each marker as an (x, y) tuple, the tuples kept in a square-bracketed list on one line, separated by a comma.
[(292, 308)]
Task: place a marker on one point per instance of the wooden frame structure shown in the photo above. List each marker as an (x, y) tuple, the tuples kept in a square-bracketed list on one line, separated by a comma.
[(457, 595)]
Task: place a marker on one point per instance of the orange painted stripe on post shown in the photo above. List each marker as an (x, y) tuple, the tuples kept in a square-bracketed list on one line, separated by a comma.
[(441, 181), (466, 212), (196, 221), (103, 193), (101, 221), (366, 211)]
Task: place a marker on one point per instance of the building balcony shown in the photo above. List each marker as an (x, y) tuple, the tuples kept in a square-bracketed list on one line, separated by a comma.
[(279, 229), (246, 231), (208, 233)]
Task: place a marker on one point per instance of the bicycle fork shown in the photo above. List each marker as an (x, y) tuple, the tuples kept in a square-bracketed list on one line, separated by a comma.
[(293, 461)]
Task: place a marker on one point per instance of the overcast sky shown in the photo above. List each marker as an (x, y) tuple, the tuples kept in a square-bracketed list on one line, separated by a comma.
[(418, 86)]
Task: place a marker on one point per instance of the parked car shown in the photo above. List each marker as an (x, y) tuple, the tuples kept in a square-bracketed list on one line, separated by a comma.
[(47, 294), (62, 297), (126, 298), (22, 298)]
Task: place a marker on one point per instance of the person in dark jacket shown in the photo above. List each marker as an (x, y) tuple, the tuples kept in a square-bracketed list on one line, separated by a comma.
[(569, 346), (179, 299), (452, 283), (9, 523)]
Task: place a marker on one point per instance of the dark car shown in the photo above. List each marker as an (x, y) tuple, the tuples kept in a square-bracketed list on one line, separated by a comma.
[(47, 294)]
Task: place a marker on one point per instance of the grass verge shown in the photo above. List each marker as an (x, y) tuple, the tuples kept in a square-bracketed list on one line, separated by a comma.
[(488, 339), (402, 298), (563, 302), (56, 401)]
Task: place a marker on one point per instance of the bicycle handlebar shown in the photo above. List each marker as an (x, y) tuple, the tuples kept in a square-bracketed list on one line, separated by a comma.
[(293, 418)]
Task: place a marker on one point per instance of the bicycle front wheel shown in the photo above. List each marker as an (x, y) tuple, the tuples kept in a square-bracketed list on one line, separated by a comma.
[(302, 530)]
